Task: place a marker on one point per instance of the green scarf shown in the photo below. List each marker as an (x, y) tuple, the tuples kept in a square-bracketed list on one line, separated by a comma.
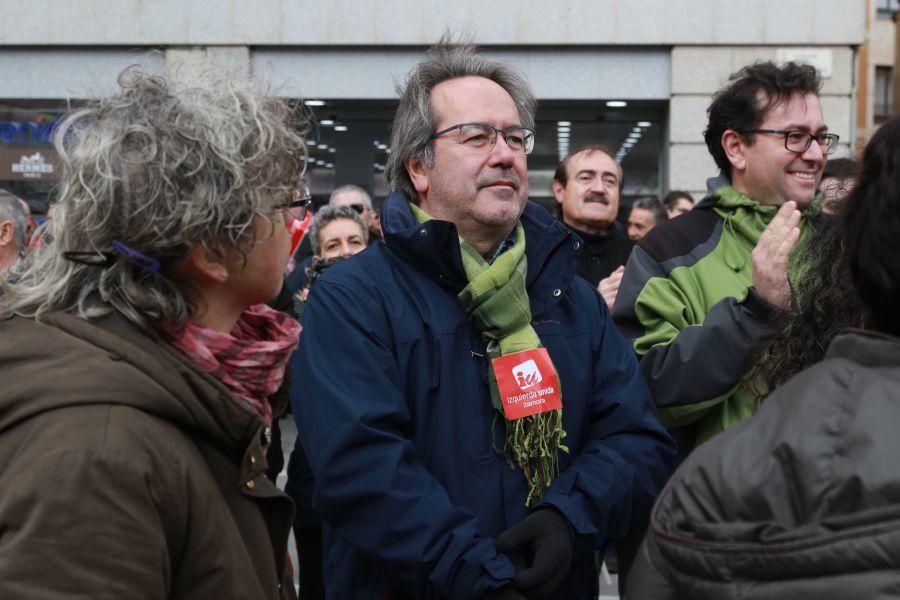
[(746, 219), (497, 304)]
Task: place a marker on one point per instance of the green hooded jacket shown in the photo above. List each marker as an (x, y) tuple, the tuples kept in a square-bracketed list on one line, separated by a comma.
[(687, 303)]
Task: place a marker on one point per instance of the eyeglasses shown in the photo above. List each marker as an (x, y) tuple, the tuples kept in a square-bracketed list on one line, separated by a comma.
[(297, 208), (481, 135), (800, 141), (359, 208)]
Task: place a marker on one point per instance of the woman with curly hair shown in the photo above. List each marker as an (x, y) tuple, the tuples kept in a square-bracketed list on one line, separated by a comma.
[(803, 500), (137, 353)]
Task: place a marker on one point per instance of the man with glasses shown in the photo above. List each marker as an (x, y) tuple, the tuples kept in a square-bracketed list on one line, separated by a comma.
[(698, 293), (476, 426)]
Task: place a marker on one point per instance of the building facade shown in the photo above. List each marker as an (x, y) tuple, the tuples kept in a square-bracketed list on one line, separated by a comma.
[(876, 87), (633, 75)]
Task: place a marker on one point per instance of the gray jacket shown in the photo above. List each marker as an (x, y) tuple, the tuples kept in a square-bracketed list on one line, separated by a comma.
[(801, 501)]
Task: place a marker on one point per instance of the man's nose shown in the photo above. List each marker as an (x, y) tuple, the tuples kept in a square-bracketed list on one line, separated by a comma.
[(346, 250), (597, 186), (814, 153), (501, 153)]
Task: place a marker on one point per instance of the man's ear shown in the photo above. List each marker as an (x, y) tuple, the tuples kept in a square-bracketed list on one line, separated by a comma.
[(733, 144), (418, 173), (7, 233), (558, 190), (206, 264)]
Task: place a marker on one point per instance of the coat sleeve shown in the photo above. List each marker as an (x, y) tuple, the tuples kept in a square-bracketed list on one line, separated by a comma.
[(690, 361), (370, 487), (84, 522), (611, 484)]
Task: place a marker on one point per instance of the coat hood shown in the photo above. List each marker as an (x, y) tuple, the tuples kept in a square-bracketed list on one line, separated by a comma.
[(65, 361)]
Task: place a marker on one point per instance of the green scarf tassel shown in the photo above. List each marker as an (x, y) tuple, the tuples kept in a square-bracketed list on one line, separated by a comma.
[(497, 304)]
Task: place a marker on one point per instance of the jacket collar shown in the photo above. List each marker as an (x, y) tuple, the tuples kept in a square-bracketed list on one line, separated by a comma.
[(433, 247), (195, 401), (868, 348)]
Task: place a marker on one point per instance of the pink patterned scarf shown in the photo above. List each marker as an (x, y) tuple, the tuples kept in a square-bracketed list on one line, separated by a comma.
[(250, 360)]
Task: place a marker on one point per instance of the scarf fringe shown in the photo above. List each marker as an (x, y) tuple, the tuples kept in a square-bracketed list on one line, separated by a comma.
[(531, 444)]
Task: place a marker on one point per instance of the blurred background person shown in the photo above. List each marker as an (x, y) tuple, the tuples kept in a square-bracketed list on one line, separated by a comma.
[(353, 197), (335, 233), (13, 230), (359, 200), (338, 232), (677, 203), (646, 213), (801, 500), (138, 468), (587, 184), (838, 180)]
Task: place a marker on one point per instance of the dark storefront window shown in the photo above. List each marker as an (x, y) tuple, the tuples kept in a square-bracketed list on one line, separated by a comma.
[(884, 93), (887, 8), (350, 144)]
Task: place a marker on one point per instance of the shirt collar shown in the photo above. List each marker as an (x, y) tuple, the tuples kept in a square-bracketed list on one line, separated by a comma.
[(503, 247)]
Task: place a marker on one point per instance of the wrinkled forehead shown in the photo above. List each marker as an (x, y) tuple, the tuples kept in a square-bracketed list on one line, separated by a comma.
[(340, 229), (595, 160), (473, 100)]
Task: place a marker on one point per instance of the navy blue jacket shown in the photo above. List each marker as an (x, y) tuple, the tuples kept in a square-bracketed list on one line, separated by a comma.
[(397, 422)]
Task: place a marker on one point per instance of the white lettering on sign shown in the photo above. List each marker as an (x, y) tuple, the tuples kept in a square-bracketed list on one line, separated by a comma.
[(32, 167)]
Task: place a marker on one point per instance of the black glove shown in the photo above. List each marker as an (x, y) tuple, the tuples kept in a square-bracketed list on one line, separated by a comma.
[(507, 592), (543, 541)]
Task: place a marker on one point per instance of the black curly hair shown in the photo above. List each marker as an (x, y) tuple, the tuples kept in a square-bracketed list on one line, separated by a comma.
[(825, 301), (741, 107), (871, 228)]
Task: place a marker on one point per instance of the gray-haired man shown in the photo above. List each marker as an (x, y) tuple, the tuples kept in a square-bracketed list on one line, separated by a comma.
[(448, 464)]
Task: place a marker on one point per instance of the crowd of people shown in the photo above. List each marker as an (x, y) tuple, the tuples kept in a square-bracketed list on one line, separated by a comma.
[(488, 397)]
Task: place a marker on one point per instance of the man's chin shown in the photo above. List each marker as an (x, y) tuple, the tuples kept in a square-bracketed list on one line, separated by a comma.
[(500, 214), (803, 200), (501, 192)]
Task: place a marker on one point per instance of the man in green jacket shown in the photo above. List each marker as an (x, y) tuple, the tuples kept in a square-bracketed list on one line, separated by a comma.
[(698, 292)]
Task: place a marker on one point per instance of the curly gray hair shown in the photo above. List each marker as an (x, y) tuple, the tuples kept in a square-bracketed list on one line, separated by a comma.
[(415, 120), (161, 167)]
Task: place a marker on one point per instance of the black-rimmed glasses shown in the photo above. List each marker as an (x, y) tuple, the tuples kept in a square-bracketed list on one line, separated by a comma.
[(800, 141), (482, 135), (298, 207)]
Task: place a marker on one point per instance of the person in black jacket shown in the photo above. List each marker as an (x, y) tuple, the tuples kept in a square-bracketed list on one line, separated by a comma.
[(587, 184)]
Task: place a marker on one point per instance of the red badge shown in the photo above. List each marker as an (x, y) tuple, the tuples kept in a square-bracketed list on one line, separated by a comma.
[(528, 383)]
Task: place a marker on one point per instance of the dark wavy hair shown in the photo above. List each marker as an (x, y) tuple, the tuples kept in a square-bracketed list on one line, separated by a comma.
[(871, 228), (741, 107), (826, 302)]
